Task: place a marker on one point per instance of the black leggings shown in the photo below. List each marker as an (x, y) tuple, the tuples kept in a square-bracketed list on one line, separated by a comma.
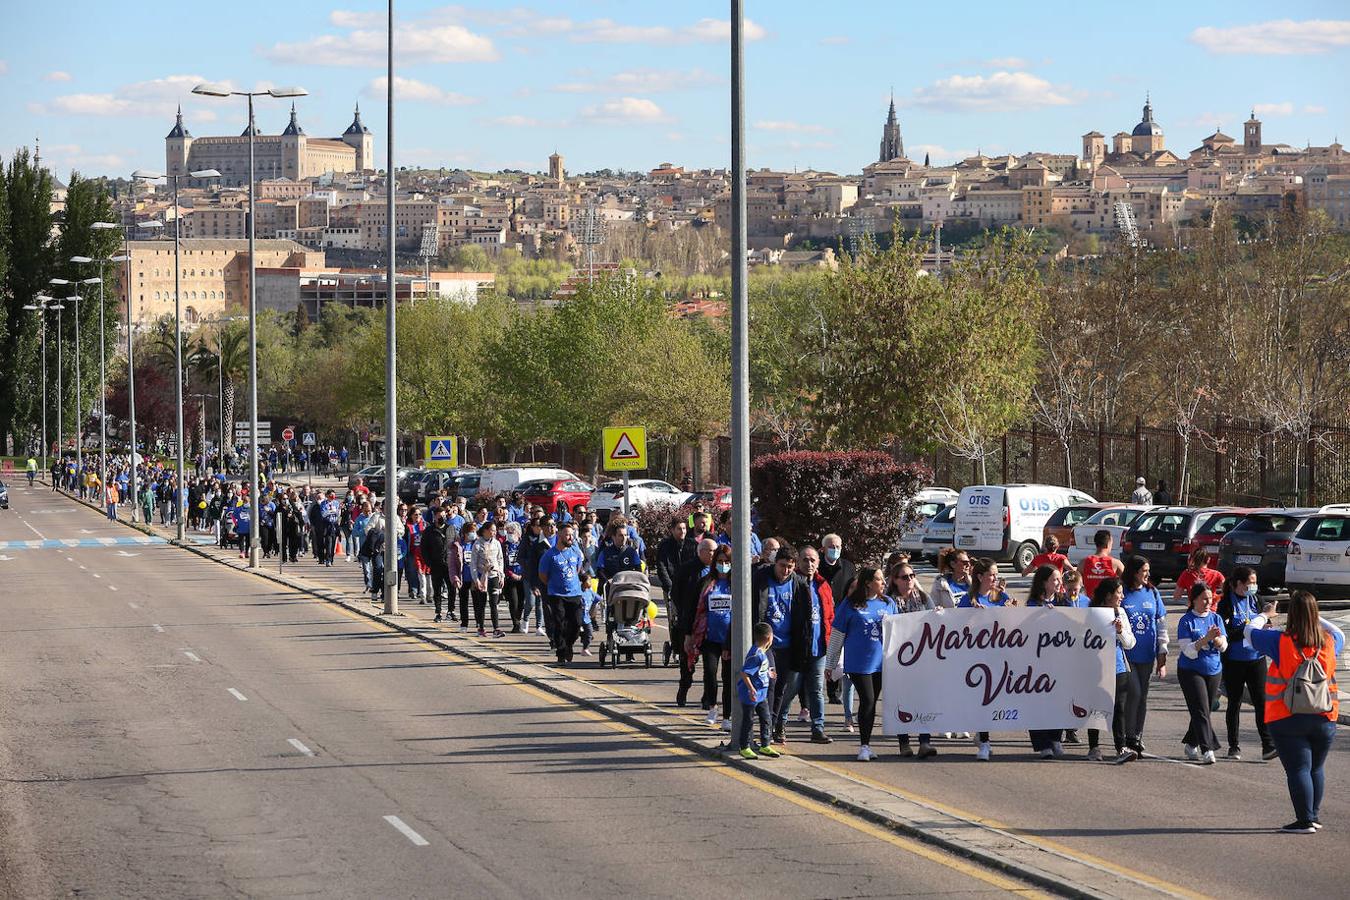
[(515, 600), (1124, 688), (1136, 704), (867, 685), (1200, 691), (1250, 675), (488, 599), (465, 592), (713, 667)]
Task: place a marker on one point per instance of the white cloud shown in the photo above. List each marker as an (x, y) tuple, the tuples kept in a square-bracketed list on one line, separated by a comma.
[(1274, 109), (346, 18), (642, 81), (624, 110), (1313, 109), (1281, 37), (57, 76), (997, 92), (65, 157), (937, 154), (414, 42), (416, 91), (157, 97), (607, 31), (792, 127), (1008, 62)]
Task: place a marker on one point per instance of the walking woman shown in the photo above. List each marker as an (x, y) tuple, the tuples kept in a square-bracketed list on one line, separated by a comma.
[(1046, 584), (952, 583), (459, 560), (857, 633), (1108, 596), (908, 598), (486, 563), (1300, 714), (514, 570), (1201, 638), (1244, 669), (711, 636), (1148, 618)]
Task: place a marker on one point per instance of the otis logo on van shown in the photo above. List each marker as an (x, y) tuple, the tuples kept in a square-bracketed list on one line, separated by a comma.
[(978, 500), (1034, 504)]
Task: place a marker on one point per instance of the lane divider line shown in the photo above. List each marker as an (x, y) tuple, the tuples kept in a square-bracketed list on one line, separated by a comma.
[(158, 628), (192, 656), (299, 746), (133, 605), (112, 587), (403, 829), (236, 695)]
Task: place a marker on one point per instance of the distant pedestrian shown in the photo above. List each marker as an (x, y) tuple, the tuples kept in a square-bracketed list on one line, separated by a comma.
[(1142, 495), (1161, 495)]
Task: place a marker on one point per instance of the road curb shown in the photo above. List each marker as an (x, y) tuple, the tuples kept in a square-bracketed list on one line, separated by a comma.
[(1060, 872)]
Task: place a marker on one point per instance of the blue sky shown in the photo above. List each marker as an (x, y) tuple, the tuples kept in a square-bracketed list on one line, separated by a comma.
[(620, 84)]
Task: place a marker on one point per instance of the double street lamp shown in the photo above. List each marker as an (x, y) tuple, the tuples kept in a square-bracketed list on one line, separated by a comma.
[(219, 90), (102, 368), (45, 304), (79, 412)]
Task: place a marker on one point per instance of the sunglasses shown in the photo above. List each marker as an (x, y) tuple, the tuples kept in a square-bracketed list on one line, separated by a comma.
[(904, 577)]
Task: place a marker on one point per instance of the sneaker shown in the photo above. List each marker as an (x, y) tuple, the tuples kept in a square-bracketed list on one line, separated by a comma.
[(804, 716), (1234, 754), (984, 752), (1269, 753), (1071, 737), (778, 736), (926, 750), (820, 737), (541, 629), (1140, 748), (1192, 752), (1057, 749), (482, 633), (497, 633), (1317, 826), (1047, 753), (1095, 754), (1129, 754), (747, 753), (436, 619), (586, 651), (711, 718), (1300, 828), (726, 724), (865, 754), (849, 727), (962, 735), (1207, 757), (768, 752)]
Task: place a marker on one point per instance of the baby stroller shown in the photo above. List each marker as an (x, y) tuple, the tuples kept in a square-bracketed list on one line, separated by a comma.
[(628, 631)]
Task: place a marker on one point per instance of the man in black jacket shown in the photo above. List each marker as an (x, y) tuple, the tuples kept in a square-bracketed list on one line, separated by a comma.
[(686, 585), (434, 541), (839, 571), (669, 555), (701, 528), (292, 515)]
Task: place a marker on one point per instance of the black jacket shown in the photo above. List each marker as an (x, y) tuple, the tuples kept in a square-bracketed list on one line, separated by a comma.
[(433, 549), (839, 575), (688, 581), (669, 555)]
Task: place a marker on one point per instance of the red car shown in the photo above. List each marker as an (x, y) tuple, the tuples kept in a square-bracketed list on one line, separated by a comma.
[(553, 494)]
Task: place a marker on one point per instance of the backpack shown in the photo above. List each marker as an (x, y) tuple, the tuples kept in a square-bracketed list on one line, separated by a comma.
[(1309, 690)]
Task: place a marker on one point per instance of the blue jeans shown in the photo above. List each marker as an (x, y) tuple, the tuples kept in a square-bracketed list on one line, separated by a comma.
[(533, 603), (847, 697), (814, 676), (1303, 742)]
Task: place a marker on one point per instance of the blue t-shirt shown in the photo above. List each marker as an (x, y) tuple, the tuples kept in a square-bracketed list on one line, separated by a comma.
[(331, 511), (1193, 628), (268, 514), (861, 629), (818, 645), (562, 569), (972, 600), (719, 611), (757, 668), (513, 557), (1145, 610), (466, 567), (613, 560), (1244, 610), (959, 591), (1267, 640), (588, 599), (778, 611)]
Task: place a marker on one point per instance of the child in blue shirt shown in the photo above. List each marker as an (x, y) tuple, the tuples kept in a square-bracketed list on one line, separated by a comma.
[(753, 691), (1202, 638), (588, 600)]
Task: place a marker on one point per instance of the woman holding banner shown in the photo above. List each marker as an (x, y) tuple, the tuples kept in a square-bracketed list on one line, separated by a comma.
[(857, 634), (909, 597), (1045, 587), (1148, 617), (1108, 595)]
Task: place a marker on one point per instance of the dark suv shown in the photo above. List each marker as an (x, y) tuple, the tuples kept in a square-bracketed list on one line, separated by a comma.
[(1165, 537), (1261, 540)]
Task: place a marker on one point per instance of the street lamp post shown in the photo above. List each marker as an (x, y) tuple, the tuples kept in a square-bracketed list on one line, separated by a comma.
[(43, 305), (216, 90), (79, 425), (102, 375), (391, 525)]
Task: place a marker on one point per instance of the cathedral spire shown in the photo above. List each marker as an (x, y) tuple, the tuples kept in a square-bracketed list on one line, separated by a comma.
[(294, 127), (892, 144)]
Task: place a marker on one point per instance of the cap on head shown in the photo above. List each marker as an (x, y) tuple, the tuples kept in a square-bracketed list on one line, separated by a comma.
[(1140, 480)]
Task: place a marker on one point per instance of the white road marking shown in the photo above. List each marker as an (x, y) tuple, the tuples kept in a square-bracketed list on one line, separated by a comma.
[(159, 628), (192, 656), (96, 575), (32, 529), (299, 746), (4, 558), (69, 559), (417, 839), (125, 553), (112, 587), (84, 567), (236, 694), (133, 605)]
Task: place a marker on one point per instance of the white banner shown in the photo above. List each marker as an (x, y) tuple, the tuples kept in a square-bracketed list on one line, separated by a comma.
[(998, 669)]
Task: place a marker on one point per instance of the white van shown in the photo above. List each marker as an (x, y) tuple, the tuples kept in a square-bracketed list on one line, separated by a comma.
[(1005, 522), (504, 479)]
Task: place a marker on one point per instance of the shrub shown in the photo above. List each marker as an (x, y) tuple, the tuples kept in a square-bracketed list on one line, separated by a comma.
[(653, 521), (861, 496)]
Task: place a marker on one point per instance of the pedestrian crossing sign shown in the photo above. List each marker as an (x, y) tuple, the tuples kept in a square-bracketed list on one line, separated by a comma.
[(442, 451), (625, 448)]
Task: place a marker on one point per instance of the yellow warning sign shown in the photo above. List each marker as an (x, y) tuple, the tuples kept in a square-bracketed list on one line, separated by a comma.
[(442, 451), (625, 448)]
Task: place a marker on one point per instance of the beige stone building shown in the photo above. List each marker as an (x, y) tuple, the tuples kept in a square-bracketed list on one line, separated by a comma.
[(214, 276)]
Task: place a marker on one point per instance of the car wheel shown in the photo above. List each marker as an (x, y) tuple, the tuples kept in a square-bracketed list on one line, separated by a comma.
[(1025, 553)]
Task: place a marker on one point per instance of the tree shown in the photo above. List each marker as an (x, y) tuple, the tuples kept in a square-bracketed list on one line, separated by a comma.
[(222, 353), (28, 269)]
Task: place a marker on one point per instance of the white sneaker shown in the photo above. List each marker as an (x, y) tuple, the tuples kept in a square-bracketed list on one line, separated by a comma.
[(1192, 753), (711, 718), (804, 716), (963, 735), (541, 630), (865, 753), (726, 724), (1208, 758), (984, 752), (849, 727), (1057, 748)]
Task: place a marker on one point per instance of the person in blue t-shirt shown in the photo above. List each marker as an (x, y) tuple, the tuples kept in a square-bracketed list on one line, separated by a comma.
[(1244, 669), (1202, 639), (1072, 594), (711, 634), (986, 587), (240, 515), (1148, 619), (589, 610), (857, 633), (752, 689), (560, 572)]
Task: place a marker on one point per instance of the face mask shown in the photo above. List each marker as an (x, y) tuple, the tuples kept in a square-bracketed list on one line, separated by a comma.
[(831, 554), (1252, 592), (724, 568)]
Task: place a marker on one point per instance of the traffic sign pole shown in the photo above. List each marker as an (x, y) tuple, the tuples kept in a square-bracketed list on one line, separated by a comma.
[(625, 493)]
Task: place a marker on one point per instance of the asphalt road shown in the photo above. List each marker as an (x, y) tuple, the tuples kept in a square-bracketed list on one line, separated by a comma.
[(1204, 829), (172, 728)]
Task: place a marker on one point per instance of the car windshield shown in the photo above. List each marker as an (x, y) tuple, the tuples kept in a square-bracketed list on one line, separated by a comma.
[(1162, 523), (1267, 524), (1221, 523), (534, 487), (948, 514), (1070, 516)]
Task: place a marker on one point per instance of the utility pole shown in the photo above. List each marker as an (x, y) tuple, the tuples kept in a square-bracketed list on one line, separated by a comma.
[(391, 524)]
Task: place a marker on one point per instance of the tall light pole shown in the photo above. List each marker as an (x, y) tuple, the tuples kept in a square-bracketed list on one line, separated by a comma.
[(102, 373), (79, 415), (740, 360), (391, 524), (131, 351), (43, 305), (217, 90), (178, 330)]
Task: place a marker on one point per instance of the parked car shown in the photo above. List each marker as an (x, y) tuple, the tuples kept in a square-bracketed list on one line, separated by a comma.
[(1006, 522), (1165, 536), (1319, 555), (504, 479), (410, 486), (364, 475), (608, 497), (430, 482), (1261, 540), (555, 494), (939, 532), (4, 496), (1063, 520), (1215, 527), (1115, 519), (915, 525), (376, 480)]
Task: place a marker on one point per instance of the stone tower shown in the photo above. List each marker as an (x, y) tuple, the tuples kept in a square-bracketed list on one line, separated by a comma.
[(293, 141), (359, 137), (1094, 148), (555, 169), (177, 144), (1251, 136), (892, 144), (1147, 136)]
